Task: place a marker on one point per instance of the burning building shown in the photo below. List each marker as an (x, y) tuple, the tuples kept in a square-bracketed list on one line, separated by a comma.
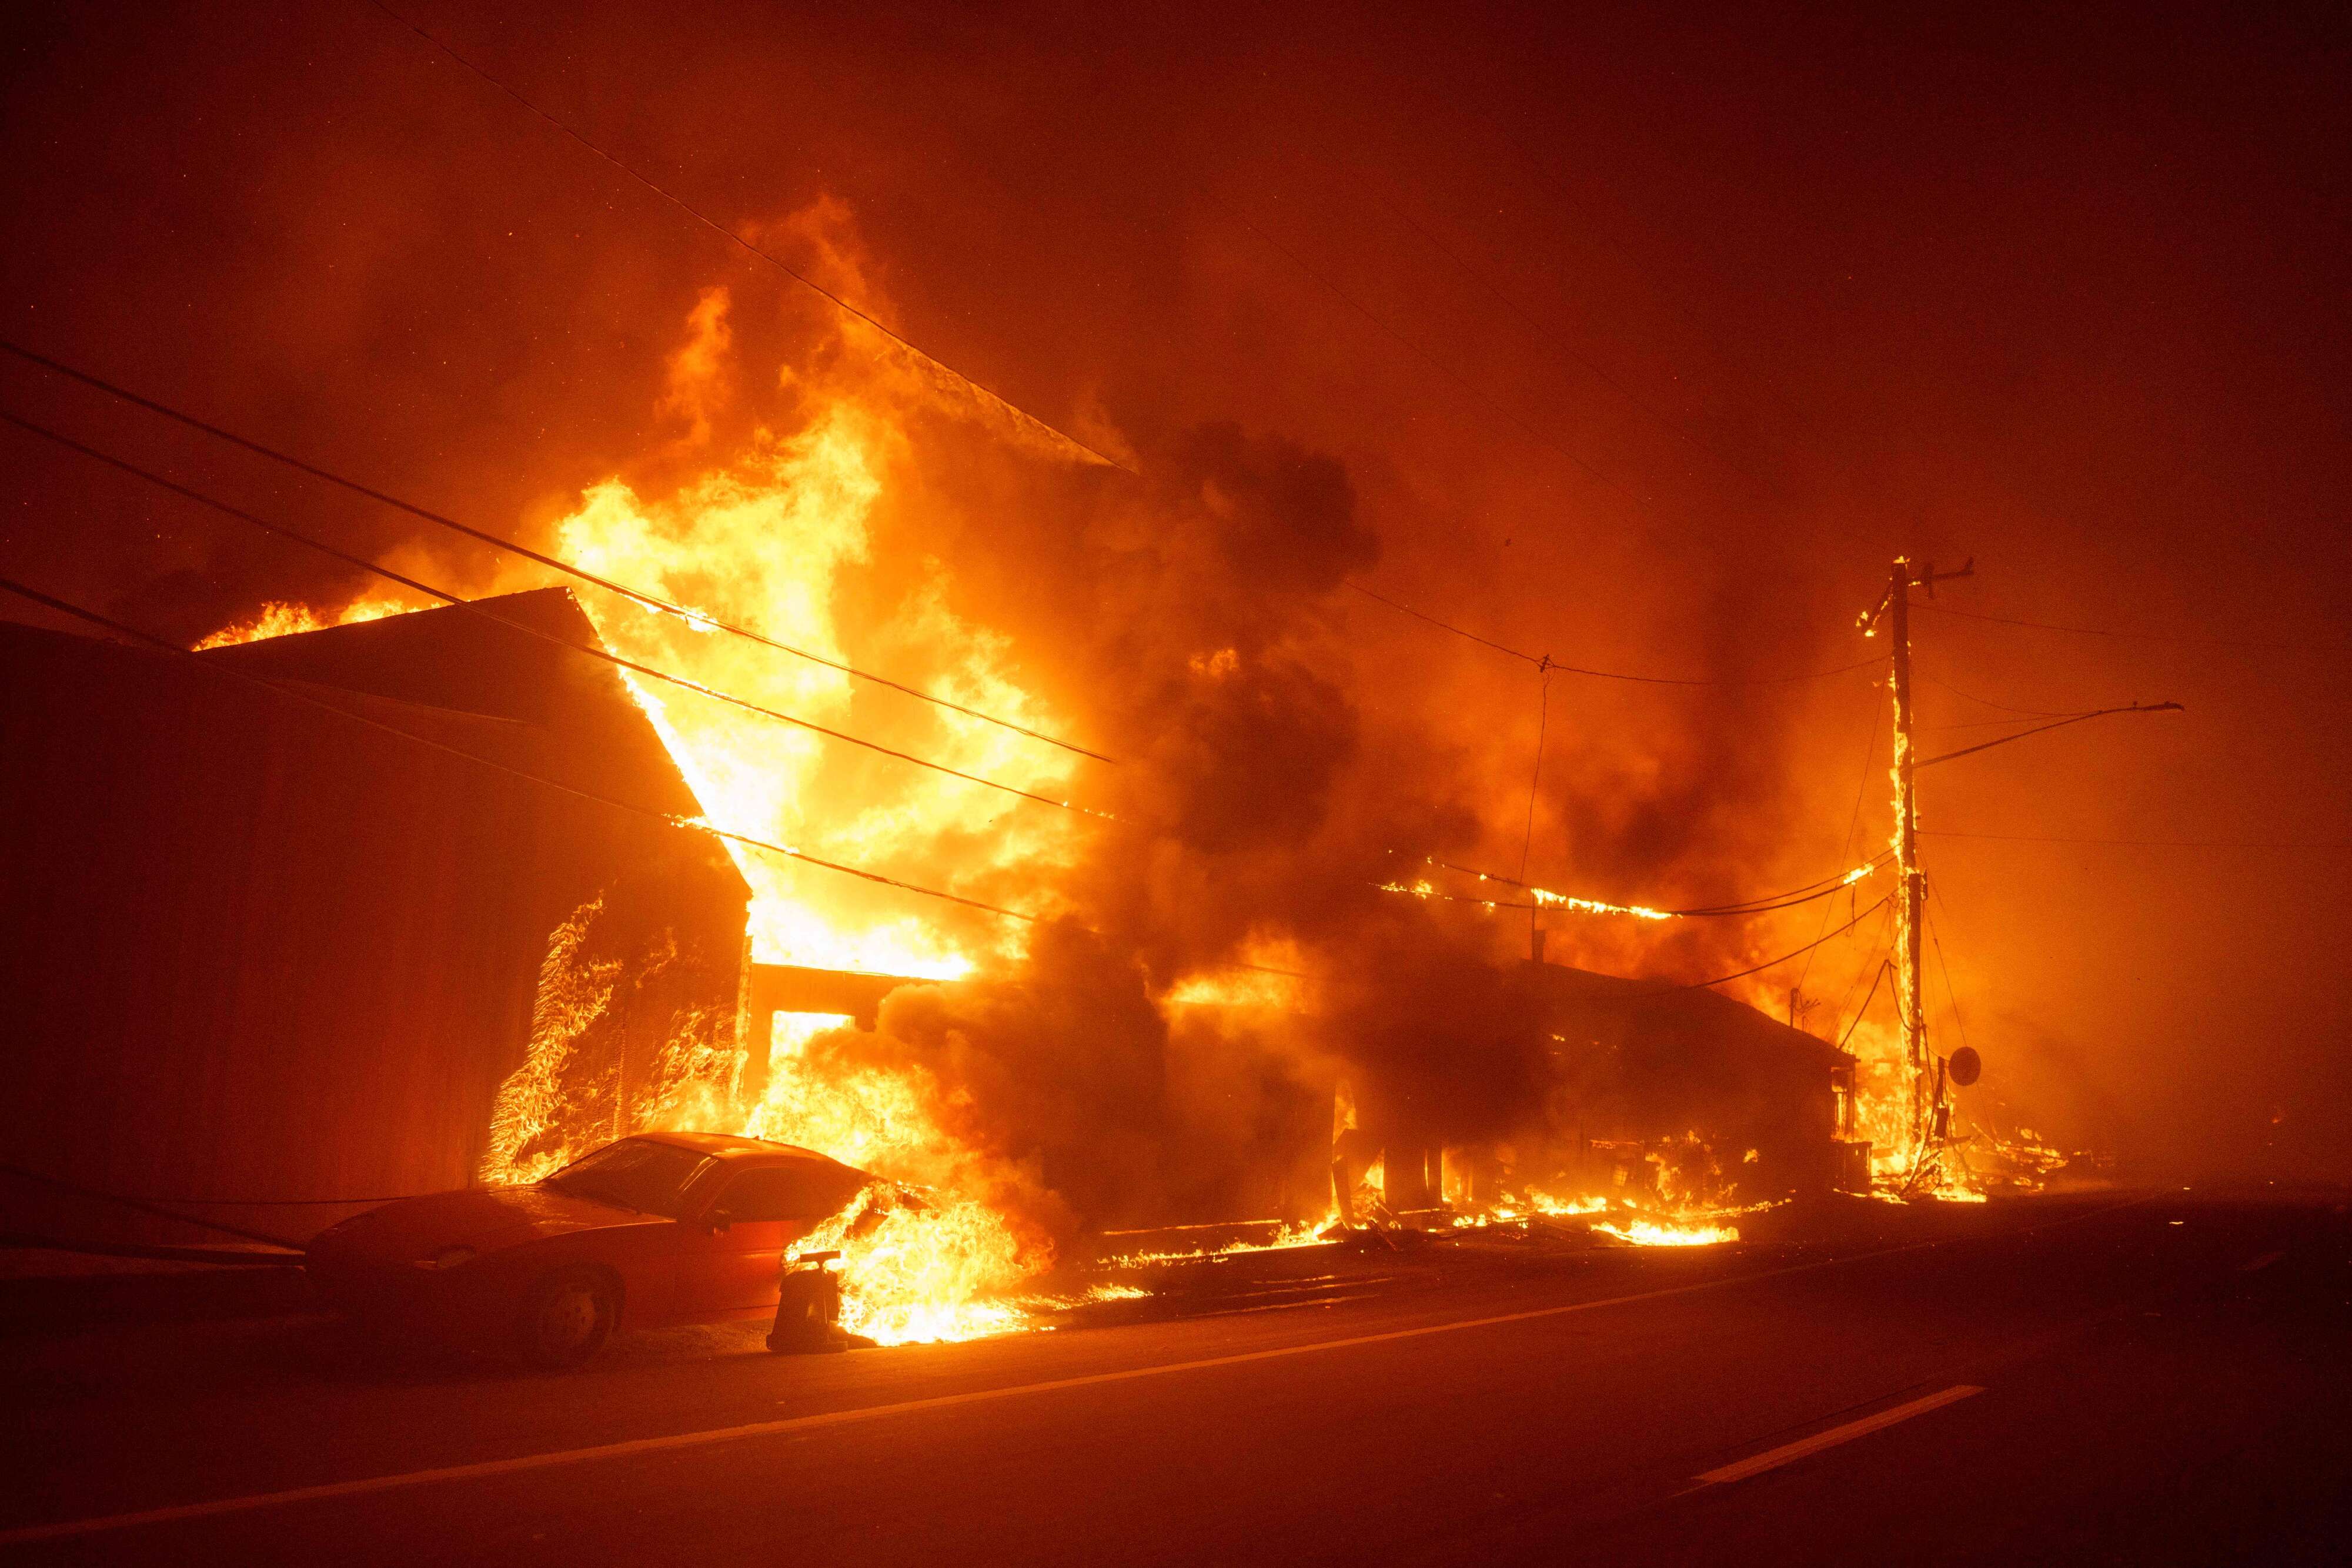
[(1635, 1091), (1716, 1099), (1071, 895), (278, 914)]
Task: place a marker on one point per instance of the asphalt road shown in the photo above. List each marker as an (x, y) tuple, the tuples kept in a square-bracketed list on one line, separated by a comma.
[(2159, 1381)]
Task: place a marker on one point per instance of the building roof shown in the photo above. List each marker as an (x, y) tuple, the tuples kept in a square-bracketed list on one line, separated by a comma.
[(1690, 1015), (569, 717)]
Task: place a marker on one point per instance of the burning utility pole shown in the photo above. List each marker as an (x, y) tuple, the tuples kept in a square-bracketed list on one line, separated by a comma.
[(1928, 1119), (1910, 917)]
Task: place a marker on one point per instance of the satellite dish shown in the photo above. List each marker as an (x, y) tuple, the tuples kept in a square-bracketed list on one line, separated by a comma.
[(1964, 1067)]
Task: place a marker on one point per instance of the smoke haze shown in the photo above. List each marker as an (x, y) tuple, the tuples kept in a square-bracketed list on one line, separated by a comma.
[(1643, 345)]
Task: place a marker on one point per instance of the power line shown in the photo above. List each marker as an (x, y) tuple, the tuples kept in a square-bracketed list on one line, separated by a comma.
[(768, 256), (1973, 724), (2139, 636), (1547, 899), (471, 607), (1877, 974), (1772, 900), (1543, 715), (1987, 702), (1539, 661), (2056, 724), (554, 563), (1950, 995), (1854, 822), (2306, 845), (1545, 662), (1873, 967), (689, 824), (1773, 963), (1828, 887)]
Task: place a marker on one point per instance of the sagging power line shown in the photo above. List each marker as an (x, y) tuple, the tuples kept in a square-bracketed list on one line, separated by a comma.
[(1845, 847), (1545, 898), (1545, 662), (1771, 963), (2187, 638), (2292, 845)]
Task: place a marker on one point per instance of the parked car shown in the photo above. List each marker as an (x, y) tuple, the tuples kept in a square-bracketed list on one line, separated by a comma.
[(657, 1230)]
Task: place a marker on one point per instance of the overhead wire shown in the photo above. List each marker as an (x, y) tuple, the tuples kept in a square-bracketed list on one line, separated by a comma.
[(1951, 996), (1774, 963), (1987, 702), (2040, 729), (1854, 822), (482, 610), (642, 597), (1545, 662), (2186, 638), (698, 215), (1543, 716), (1877, 973), (1820, 888), (1873, 968), (2315, 846), (1539, 661), (1974, 724)]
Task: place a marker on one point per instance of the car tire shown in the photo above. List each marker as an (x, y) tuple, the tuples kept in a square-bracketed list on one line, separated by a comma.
[(570, 1315)]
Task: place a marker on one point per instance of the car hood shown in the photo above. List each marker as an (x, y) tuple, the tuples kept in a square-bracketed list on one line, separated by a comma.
[(484, 1219)]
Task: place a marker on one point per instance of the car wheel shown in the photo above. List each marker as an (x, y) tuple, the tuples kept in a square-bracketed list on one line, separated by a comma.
[(570, 1315)]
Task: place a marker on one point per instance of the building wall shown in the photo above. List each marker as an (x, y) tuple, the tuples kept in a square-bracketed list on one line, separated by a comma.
[(252, 949)]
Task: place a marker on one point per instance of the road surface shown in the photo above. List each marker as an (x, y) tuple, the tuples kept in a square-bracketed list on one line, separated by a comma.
[(2156, 1379)]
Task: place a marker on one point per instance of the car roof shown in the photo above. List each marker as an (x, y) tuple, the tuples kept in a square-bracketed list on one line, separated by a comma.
[(730, 1145)]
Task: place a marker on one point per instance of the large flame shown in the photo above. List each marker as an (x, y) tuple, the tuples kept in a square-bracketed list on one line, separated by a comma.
[(778, 538), (770, 543), (282, 618)]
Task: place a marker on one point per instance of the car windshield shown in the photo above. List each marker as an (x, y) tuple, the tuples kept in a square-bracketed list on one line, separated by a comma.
[(635, 1174)]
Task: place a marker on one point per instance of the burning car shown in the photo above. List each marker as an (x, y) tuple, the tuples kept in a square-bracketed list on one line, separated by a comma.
[(653, 1230)]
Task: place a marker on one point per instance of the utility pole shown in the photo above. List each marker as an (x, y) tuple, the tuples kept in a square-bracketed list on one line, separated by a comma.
[(1927, 1077), (1910, 908)]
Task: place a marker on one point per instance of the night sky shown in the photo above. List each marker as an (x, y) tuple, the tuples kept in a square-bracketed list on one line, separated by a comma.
[(1644, 343)]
